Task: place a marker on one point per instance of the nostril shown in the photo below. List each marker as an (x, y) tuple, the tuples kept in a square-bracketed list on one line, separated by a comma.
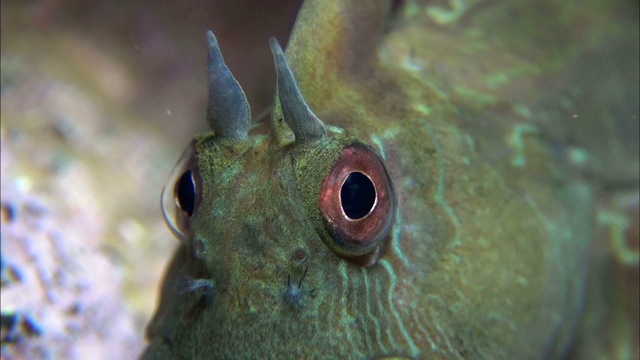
[(300, 255), (293, 293)]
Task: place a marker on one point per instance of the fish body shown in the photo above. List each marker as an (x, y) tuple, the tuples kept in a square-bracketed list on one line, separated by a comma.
[(487, 247)]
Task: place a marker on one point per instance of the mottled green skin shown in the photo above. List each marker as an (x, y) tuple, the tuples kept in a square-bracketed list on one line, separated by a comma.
[(487, 255)]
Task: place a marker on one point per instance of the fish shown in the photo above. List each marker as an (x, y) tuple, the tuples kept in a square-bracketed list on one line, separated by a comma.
[(425, 186)]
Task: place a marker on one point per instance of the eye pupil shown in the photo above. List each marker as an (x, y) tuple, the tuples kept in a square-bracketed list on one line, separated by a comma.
[(357, 195), (186, 192)]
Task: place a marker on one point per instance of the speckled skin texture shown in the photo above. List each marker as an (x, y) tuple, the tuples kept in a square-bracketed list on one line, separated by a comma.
[(488, 254)]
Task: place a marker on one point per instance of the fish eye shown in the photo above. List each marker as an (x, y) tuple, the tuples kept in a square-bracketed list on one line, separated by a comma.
[(357, 201), (357, 195), (181, 196), (186, 192)]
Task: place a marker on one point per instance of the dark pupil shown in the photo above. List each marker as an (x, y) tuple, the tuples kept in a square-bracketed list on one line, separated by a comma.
[(357, 195), (186, 192)]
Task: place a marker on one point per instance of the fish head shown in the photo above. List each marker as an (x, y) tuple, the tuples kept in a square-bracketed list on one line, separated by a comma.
[(468, 234), (267, 217)]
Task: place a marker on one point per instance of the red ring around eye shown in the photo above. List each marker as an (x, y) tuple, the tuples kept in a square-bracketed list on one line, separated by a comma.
[(357, 228)]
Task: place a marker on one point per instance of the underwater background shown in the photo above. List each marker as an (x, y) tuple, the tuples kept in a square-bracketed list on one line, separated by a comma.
[(99, 98)]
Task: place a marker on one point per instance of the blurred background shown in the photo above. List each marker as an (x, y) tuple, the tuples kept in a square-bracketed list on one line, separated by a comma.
[(98, 100)]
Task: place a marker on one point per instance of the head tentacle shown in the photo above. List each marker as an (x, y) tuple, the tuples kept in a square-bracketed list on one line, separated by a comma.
[(228, 112), (306, 126)]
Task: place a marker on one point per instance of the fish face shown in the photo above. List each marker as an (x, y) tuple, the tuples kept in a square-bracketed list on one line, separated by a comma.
[(254, 236), (293, 234), (396, 205), (252, 211)]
